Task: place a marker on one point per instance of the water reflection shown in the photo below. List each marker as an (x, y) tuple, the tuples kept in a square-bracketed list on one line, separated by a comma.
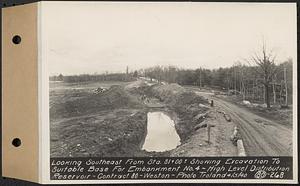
[(161, 133)]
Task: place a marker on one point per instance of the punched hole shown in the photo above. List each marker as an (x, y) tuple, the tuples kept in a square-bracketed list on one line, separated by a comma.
[(16, 142), (16, 39)]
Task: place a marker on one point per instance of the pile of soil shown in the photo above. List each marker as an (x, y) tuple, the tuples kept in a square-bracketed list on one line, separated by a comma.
[(115, 134), (135, 85), (166, 92), (62, 96), (115, 97), (139, 89), (187, 98), (114, 123), (185, 104)]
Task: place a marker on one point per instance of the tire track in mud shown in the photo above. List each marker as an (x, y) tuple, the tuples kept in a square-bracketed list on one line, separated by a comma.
[(247, 137), (276, 147), (258, 141)]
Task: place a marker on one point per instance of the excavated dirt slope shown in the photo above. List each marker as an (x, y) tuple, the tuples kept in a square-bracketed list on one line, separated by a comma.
[(114, 123)]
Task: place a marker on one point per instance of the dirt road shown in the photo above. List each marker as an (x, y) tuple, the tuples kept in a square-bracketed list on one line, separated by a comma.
[(261, 136)]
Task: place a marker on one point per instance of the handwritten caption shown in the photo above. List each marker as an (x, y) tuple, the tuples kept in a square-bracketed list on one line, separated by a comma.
[(171, 168)]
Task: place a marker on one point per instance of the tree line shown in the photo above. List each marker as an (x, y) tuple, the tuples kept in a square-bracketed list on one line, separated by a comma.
[(261, 80), (93, 77), (239, 79)]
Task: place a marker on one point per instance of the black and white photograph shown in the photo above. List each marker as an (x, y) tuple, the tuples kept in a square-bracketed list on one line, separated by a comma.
[(170, 79)]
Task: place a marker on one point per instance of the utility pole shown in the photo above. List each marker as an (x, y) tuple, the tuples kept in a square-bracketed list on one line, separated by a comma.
[(200, 84), (274, 93), (264, 94), (234, 80), (126, 73), (274, 89), (227, 82), (106, 73), (242, 86), (286, 91)]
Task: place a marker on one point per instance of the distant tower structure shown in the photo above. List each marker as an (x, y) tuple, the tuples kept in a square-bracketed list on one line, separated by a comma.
[(126, 77), (200, 81), (105, 76), (60, 77)]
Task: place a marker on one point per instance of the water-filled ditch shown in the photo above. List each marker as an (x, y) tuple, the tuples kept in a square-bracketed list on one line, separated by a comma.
[(161, 133)]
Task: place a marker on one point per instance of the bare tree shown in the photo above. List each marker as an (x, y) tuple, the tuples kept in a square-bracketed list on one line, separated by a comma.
[(265, 60)]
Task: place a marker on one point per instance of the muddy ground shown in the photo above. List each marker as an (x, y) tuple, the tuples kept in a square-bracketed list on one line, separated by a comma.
[(261, 136), (114, 123), (84, 123), (265, 132), (276, 114)]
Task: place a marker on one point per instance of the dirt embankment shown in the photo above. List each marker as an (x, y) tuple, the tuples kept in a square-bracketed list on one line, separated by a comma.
[(192, 114), (87, 103), (112, 123), (185, 104)]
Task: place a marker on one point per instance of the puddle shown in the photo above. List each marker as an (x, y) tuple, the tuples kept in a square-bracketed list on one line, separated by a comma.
[(161, 133)]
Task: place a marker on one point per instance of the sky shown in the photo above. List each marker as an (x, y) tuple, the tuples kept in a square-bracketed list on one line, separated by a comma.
[(95, 37)]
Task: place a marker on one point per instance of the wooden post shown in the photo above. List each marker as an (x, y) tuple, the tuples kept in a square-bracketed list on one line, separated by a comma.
[(241, 148), (208, 133)]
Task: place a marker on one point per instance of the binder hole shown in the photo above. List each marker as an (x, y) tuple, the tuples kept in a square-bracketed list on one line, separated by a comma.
[(16, 142), (16, 39)]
